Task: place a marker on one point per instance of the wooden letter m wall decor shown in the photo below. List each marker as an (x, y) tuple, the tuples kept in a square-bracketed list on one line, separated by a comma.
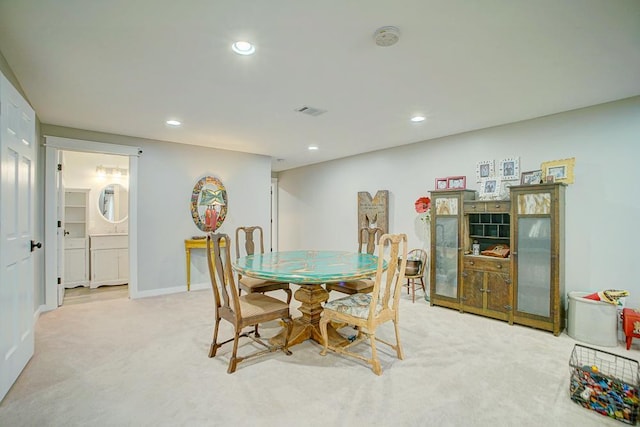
[(373, 212)]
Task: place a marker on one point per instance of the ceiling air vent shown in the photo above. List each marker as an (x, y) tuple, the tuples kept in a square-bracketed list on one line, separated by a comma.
[(310, 111)]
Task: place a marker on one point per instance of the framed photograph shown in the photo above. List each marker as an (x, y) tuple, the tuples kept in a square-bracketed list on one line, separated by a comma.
[(441, 183), (457, 182), (560, 170), (550, 179), (505, 192), (510, 169), (531, 177), (490, 188), (484, 169)]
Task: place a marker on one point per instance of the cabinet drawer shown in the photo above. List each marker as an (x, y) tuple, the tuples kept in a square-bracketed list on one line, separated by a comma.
[(498, 206), (501, 206), (486, 264), (75, 243), (471, 207), (109, 242)]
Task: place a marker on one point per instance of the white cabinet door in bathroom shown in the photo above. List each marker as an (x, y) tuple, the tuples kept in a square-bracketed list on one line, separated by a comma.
[(109, 259)]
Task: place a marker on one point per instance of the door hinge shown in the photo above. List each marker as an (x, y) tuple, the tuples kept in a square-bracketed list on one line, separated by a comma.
[(59, 166), (59, 224), (59, 281)]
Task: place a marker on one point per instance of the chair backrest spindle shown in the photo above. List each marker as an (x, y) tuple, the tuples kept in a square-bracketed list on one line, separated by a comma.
[(249, 240), (369, 236)]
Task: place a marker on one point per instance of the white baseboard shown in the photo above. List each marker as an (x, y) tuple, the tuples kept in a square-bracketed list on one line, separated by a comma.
[(168, 291)]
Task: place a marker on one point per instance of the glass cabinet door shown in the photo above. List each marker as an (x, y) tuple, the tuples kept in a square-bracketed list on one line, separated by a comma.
[(534, 265), (446, 256)]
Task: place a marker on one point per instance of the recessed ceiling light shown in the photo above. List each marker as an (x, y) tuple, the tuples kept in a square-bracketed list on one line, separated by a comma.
[(243, 48), (173, 122), (417, 119), (313, 147)]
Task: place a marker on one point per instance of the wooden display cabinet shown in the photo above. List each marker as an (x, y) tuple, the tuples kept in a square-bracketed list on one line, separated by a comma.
[(525, 288), (537, 230)]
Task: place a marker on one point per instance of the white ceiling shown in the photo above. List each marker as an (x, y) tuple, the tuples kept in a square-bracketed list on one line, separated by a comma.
[(124, 67)]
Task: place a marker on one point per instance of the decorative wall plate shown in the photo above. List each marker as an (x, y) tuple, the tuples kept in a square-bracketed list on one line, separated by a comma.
[(208, 203)]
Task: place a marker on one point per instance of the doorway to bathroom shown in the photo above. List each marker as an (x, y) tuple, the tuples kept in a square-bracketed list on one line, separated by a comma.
[(94, 212), (90, 222)]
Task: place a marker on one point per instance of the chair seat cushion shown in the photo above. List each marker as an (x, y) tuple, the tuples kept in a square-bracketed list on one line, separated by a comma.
[(259, 304), (352, 287), (356, 305), (251, 284)]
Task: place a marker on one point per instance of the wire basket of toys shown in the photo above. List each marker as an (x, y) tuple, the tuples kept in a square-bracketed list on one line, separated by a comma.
[(605, 382)]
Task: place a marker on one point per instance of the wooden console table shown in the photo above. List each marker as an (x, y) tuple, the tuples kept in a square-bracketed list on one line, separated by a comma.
[(188, 245)]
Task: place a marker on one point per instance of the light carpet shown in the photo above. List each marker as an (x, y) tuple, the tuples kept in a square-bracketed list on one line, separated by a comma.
[(144, 363)]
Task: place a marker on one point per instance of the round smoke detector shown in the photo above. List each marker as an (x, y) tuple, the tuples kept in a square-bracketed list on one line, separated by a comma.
[(386, 36)]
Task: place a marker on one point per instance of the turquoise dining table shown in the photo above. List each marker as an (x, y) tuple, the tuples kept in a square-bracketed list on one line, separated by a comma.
[(309, 269)]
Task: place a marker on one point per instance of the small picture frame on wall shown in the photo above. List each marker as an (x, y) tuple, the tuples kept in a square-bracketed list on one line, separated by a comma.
[(531, 177), (550, 179), (457, 182), (490, 188), (510, 169), (560, 170), (441, 183), (484, 169)]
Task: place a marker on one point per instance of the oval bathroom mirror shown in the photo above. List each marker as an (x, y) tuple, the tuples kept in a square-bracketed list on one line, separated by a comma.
[(113, 203)]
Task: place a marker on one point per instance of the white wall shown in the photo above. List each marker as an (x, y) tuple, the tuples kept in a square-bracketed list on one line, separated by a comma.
[(318, 204), (167, 175)]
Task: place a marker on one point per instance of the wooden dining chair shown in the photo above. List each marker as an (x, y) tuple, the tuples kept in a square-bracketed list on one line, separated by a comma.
[(367, 239), (413, 274), (245, 238), (368, 311), (240, 311)]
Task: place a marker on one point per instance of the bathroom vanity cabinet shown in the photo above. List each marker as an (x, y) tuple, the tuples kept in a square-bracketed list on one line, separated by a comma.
[(109, 259)]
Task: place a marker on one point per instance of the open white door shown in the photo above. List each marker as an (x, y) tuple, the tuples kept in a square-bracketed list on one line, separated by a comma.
[(17, 173)]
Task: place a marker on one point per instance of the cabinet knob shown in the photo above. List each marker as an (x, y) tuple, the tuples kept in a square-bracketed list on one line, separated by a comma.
[(471, 263), (499, 266), (473, 206), (497, 206)]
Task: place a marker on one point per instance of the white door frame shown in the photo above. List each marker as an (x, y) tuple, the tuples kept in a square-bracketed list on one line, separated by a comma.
[(274, 214), (53, 145)]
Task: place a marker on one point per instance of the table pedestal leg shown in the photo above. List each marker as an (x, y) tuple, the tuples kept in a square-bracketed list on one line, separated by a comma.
[(307, 326)]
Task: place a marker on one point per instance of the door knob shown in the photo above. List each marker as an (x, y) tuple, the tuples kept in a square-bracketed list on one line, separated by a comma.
[(35, 245)]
